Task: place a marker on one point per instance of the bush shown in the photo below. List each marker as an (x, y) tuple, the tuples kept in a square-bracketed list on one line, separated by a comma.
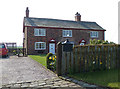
[(94, 41), (51, 61), (14, 52)]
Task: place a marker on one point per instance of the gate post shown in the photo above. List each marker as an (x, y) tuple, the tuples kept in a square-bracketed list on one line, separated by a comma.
[(23, 52), (59, 58)]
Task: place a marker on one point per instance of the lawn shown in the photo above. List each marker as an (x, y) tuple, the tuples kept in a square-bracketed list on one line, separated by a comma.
[(107, 78), (39, 58)]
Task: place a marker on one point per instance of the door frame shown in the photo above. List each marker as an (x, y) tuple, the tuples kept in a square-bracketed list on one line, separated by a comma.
[(50, 46), (52, 41)]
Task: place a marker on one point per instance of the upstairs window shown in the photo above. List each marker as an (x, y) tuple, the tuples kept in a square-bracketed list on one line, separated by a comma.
[(67, 33), (94, 34), (40, 45), (39, 32)]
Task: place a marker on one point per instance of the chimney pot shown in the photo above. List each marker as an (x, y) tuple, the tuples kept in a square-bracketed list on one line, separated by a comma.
[(27, 12), (77, 17)]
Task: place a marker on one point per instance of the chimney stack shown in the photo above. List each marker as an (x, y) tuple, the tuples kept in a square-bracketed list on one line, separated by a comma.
[(27, 12), (77, 17)]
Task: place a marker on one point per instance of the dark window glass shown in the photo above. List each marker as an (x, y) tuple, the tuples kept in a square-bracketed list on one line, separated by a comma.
[(2, 46)]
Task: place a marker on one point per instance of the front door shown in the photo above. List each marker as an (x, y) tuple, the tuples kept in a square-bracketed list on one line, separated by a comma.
[(52, 48)]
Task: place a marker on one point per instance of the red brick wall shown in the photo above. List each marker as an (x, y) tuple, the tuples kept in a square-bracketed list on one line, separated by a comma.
[(56, 34), (25, 38)]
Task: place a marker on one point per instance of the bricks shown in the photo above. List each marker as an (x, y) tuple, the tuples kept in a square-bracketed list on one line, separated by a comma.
[(61, 84), (55, 83), (55, 34)]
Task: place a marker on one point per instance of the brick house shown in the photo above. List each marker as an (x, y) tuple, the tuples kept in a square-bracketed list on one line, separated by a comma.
[(42, 34)]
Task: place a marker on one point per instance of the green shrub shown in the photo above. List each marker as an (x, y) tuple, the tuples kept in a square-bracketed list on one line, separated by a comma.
[(14, 52), (95, 41), (51, 61)]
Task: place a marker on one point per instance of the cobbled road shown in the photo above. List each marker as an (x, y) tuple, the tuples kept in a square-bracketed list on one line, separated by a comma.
[(23, 72)]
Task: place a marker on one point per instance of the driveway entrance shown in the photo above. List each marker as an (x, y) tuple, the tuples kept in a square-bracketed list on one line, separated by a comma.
[(19, 69), (25, 72)]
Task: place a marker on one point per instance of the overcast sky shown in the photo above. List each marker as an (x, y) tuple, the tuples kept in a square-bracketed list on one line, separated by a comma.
[(12, 12)]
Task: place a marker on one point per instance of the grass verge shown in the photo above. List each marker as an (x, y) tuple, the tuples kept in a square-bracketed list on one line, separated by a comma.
[(108, 78), (39, 58)]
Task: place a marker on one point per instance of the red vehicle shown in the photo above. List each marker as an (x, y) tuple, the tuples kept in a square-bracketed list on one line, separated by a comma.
[(3, 50)]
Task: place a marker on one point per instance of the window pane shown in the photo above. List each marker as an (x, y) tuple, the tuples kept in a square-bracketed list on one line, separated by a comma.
[(70, 33), (90, 33), (67, 33), (43, 45), (2, 46), (94, 34), (40, 32), (44, 32), (40, 45), (36, 31), (37, 45), (63, 33)]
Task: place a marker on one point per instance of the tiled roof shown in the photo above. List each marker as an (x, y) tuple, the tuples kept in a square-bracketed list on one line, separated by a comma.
[(45, 22)]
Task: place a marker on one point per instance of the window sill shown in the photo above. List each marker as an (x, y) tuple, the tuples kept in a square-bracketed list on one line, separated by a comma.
[(39, 49), (34, 35), (67, 36), (93, 37)]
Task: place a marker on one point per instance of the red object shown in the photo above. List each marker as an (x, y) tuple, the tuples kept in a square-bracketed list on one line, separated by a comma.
[(52, 41), (3, 49), (82, 41)]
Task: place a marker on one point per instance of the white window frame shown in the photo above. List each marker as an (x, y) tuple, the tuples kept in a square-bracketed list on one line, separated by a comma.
[(94, 34), (38, 30), (67, 33), (39, 45)]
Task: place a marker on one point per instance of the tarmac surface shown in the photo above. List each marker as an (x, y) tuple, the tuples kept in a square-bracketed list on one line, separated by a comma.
[(23, 72)]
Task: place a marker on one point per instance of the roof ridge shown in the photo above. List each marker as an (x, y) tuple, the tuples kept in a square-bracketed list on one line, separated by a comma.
[(62, 20), (50, 22)]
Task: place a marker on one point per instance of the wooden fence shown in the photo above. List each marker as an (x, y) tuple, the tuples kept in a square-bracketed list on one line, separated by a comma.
[(87, 58), (18, 51)]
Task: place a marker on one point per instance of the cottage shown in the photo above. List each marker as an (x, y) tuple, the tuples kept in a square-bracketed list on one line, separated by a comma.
[(42, 34)]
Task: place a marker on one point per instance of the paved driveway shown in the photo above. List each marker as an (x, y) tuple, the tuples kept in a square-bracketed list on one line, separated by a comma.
[(19, 72), (23, 69)]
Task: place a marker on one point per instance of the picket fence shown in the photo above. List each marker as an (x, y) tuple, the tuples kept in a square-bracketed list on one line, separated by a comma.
[(87, 58)]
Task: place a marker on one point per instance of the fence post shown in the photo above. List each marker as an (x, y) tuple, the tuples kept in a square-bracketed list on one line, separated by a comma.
[(59, 58), (23, 52), (118, 56)]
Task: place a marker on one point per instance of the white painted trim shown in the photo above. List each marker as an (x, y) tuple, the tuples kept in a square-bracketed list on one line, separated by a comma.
[(38, 29), (66, 31), (50, 49), (40, 48), (94, 33)]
